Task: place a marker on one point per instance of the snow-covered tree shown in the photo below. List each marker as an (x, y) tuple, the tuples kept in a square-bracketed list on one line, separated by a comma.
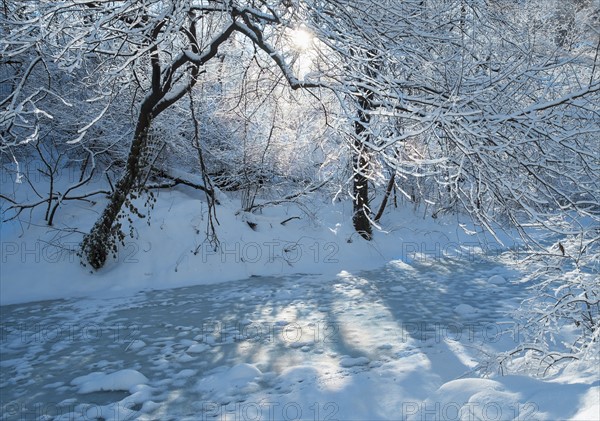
[(471, 104), (498, 116), (157, 48)]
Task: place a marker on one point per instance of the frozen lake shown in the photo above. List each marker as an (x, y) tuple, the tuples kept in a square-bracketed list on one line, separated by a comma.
[(372, 344)]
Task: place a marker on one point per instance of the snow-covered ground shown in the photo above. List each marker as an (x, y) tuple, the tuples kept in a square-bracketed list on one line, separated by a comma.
[(315, 323), (40, 262)]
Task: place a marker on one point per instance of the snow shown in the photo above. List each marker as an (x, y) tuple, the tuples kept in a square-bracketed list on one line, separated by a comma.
[(590, 405), (497, 280), (226, 384), (172, 252), (465, 310), (186, 373), (197, 348), (319, 325), (353, 362), (100, 382), (136, 345)]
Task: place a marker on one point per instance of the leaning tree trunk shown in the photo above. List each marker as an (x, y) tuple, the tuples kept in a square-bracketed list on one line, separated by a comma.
[(386, 197), (102, 238)]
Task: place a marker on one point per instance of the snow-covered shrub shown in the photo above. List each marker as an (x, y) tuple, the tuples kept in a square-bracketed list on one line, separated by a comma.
[(560, 321)]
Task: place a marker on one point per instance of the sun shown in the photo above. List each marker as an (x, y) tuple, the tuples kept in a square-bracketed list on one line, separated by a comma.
[(301, 39)]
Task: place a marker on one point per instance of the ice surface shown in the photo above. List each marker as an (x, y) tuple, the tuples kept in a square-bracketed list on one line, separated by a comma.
[(368, 345)]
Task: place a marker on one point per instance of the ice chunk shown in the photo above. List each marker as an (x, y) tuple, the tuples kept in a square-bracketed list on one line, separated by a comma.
[(497, 280), (122, 380), (465, 310), (354, 362)]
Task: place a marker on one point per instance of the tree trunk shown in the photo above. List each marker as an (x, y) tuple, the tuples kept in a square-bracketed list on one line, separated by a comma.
[(388, 192), (99, 242), (360, 219), (361, 159), (361, 165)]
